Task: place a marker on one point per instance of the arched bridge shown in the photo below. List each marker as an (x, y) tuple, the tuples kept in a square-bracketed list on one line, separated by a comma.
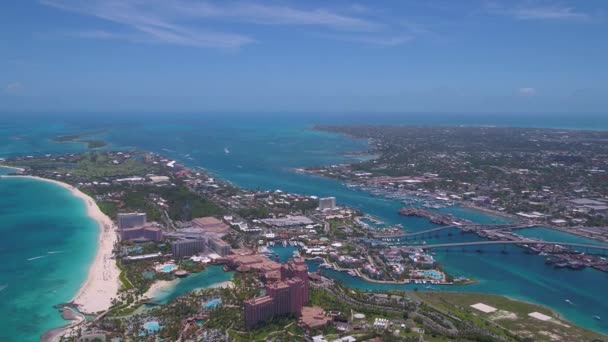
[(464, 227), (508, 242)]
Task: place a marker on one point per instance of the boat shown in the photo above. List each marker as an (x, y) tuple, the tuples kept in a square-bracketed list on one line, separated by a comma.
[(317, 259), (568, 301), (226, 150), (598, 318), (284, 243)]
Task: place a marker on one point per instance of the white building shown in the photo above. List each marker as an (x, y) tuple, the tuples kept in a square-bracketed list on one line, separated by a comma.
[(327, 203)]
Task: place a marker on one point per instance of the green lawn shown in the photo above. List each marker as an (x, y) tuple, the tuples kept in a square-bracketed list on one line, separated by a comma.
[(514, 316)]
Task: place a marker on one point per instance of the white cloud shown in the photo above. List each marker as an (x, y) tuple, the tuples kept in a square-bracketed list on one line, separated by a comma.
[(95, 34), (538, 11), (14, 88), (148, 25), (372, 40), (550, 12), (186, 22), (527, 91)]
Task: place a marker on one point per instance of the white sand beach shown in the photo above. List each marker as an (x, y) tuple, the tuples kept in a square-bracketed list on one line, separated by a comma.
[(15, 169), (160, 286), (102, 282)]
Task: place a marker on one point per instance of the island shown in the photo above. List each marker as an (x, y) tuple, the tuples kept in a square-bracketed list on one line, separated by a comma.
[(162, 223), (83, 138)]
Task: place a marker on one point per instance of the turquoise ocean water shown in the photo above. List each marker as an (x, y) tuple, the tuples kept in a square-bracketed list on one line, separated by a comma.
[(264, 149), (212, 275), (47, 243)]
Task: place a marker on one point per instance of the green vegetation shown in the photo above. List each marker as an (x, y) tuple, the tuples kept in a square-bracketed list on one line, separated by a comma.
[(511, 318), (278, 329), (98, 165), (91, 166), (191, 266), (108, 208), (253, 213), (185, 205), (126, 284)]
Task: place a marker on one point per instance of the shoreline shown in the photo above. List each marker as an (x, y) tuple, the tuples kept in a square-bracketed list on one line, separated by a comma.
[(102, 284), (158, 287), (18, 169)]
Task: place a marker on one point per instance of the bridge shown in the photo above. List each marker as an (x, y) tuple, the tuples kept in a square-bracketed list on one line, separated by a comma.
[(464, 227), (508, 242)]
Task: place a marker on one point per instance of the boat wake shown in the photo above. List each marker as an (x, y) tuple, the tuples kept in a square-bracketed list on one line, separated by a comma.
[(37, 257), (55, 252)]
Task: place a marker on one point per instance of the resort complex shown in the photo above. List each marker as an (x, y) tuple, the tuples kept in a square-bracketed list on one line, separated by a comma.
[(283, 252)]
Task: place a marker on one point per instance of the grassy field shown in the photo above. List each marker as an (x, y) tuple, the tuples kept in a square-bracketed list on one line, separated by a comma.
[(511, 315)]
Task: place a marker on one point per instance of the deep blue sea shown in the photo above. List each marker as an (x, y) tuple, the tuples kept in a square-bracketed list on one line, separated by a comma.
[(264, 149)]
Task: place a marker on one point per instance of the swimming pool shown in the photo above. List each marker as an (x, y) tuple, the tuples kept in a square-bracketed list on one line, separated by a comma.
[(151, 327), (213, 303), (167, 268)]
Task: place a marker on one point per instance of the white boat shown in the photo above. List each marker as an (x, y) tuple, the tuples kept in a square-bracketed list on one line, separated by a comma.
[(284, 243), (317, 259), (598, 318), (226, 150), (568, 301)]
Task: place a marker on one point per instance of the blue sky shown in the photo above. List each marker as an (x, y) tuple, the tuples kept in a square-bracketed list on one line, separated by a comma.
[(297, 56)]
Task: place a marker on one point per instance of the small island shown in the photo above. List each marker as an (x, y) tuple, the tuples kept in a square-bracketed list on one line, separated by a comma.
[(82, 138)]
